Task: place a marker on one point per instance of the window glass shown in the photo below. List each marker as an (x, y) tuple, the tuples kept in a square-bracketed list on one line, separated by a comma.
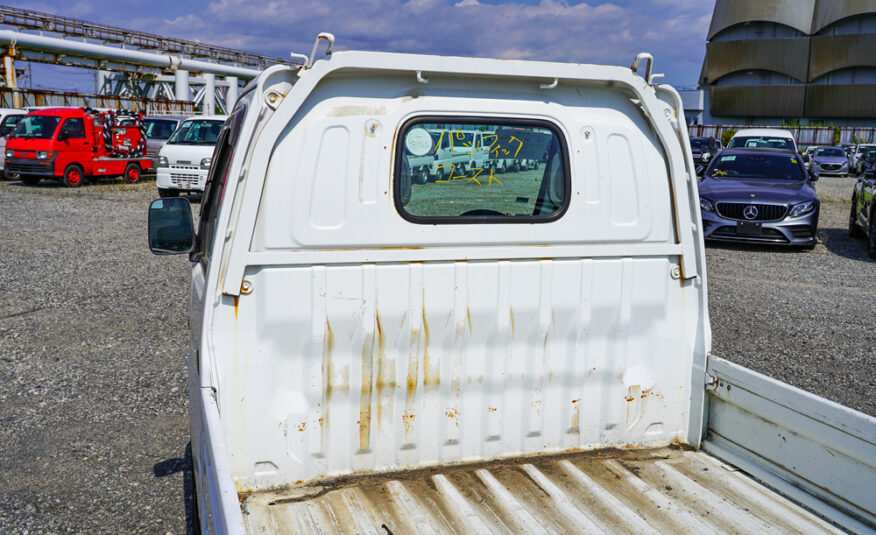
[(197, 132), (756, 166), (159, 128), (830, 151), (458, 171), (762, 142), (37, 126), (73, 128), (217, 179), (9, 124)]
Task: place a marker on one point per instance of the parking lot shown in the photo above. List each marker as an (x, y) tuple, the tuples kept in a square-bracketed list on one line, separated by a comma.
[(93, 339)]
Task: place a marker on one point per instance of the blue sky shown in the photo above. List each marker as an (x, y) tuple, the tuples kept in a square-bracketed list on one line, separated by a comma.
[(593, 31)]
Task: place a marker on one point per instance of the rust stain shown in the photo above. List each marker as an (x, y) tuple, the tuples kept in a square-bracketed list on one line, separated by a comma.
[(492, 409), (365, 391), (453, 414), (511, 314), (303, 425), (629, 398), (408, 421), (429, 379), (468, 317), (236, 299)]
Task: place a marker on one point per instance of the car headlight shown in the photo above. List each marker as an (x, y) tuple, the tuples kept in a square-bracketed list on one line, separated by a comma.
[(802, 209), (44, 155), (706, 205), (706, 155), (162, 161), (10, 153), (205, 163)]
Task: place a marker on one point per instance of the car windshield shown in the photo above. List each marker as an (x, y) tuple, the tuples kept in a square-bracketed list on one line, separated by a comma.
[(159, 128), (36, 126), (197, 132), (830, 151), (756, 166), (762, 142), (870, 155), (702, 144)]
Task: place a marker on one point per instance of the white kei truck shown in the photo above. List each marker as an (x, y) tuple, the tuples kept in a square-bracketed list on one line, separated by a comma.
[(527, 353)]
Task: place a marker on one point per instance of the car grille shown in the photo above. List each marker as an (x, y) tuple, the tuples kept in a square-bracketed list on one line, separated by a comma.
[(831, 166), (183, 178), (765, 212), (769, 235), (27, 168)]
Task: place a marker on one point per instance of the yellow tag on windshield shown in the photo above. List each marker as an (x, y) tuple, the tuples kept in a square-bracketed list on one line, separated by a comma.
[(793, 160)]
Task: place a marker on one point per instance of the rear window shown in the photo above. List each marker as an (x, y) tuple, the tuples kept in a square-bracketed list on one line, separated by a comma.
[(455, 170), (756, 166), (830, 152), (159, 128), (762, 142)]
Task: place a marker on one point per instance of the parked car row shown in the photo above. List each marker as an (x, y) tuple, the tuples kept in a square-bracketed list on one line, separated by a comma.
[(760, 190), (74, 145)]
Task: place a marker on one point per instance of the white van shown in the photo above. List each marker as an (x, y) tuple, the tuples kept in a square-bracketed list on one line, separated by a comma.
[(372, 354), (185, 158), (763, 138), (9, 117)]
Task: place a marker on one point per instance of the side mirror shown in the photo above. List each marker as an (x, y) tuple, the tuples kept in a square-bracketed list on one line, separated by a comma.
[(805, 157), (700, 170), (171, 230), (63, 135), (813, 176)]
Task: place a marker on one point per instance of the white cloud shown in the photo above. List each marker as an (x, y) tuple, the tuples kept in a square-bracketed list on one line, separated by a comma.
[(598, 32)]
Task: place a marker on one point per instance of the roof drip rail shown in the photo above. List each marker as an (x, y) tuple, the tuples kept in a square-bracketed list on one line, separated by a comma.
[(644, 56), (328, 51)]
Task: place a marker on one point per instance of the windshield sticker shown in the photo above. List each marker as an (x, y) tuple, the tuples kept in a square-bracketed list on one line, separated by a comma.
[(793, 160), (718, 172), (728, 158)]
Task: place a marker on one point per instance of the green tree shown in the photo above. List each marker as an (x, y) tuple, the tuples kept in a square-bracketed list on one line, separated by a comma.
[(725, 137)]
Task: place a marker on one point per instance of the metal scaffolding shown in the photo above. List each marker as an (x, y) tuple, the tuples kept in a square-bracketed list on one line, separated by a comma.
[(69, 27), (135, 66)]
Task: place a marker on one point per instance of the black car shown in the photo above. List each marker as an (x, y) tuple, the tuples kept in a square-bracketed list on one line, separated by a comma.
[(704, 149), (866, 162), (760, 196), (862, 220)]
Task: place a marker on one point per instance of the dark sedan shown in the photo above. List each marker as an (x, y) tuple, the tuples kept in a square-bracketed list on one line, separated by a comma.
[(759, 196), (862, 221), (703, 149)]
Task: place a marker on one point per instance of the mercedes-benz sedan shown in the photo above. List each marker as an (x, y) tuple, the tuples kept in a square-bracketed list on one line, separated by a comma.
[(759, 196)]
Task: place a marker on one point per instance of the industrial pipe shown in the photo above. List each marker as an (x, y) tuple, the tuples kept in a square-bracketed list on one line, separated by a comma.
[(67, 47)]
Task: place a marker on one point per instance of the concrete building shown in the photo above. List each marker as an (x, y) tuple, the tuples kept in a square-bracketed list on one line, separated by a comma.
[(773, 60)]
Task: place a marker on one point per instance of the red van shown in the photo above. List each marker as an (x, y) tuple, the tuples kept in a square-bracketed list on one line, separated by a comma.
[(73, 144)]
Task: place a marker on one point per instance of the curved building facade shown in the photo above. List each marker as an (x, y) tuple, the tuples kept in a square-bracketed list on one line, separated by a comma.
[(792, 59)]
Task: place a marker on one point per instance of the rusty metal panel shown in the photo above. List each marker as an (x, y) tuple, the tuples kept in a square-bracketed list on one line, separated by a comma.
[(757, 100), (651, 491), (794, 13), (786, 56), (847, 100), (832, 52), (829, 11)]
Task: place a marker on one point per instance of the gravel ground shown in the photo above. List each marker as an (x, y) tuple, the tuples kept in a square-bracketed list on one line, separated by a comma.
[(93, 413), (803, 317)]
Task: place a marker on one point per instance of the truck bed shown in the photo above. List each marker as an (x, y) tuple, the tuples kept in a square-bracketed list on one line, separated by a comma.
[(610, 491)]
